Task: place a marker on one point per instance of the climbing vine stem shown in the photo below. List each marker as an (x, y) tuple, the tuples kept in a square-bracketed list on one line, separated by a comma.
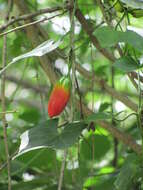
[(72, 56)]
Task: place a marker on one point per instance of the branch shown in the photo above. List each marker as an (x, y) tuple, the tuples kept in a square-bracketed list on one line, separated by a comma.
[(30, 24), (27, 85), (135, 76), (3, 100), (30, 16), (62, 171), (29, 103), (121, 136), (101, 83), (89, 30), (4, 111), (86, 74)]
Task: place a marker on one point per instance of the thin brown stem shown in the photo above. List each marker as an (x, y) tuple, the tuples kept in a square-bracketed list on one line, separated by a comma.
[(7, 112), (3, 99), (80, 98), (109, 90), (115, 140), (25, 84), (115, 132), (89, 30), (62, 171), (29, 16), (30, 24), (3, 115)]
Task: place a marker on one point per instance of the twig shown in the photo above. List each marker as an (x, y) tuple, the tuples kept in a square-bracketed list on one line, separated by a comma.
[(92, 127), (10, 5), (115, 132), (89, 30), (115, 141), (4, 122), (29, 16), (124, 14), (104, 12), (133, 80), (30, 24), (62, 171), (3, 115), (135, 76), (5, 164), (7, 112), (17, 87), (115, 159), (30, 103), (103, 85), (25, 84), (41, 95), (72, 54), (112, 6), (80, 98)]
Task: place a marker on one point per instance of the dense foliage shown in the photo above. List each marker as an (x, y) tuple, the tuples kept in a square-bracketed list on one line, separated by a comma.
[(96, 142)]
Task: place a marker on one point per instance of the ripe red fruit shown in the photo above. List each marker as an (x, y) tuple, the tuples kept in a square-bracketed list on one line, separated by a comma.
[(59, 97)]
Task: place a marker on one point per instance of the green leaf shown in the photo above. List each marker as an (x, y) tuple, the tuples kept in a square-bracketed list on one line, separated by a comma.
[(98, 116), (99, 141), (126, 64), (109, 37), (101, 183), (104, 106), (137, 4), (40, 182), (128, 172), (48, 136), (108, 183), (42, 49), (30, 115), (42, 159)]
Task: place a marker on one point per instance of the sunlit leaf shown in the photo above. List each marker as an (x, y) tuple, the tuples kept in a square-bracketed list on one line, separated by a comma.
[(100, 183), (137, 4)]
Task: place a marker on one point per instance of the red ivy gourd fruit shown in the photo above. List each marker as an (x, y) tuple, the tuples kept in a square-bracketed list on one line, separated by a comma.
[(59, 97)]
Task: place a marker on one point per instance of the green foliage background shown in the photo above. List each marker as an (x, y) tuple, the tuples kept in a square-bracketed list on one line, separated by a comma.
[(95, 158)]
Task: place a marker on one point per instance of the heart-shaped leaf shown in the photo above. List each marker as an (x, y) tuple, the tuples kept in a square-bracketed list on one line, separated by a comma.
[(49, 136)]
